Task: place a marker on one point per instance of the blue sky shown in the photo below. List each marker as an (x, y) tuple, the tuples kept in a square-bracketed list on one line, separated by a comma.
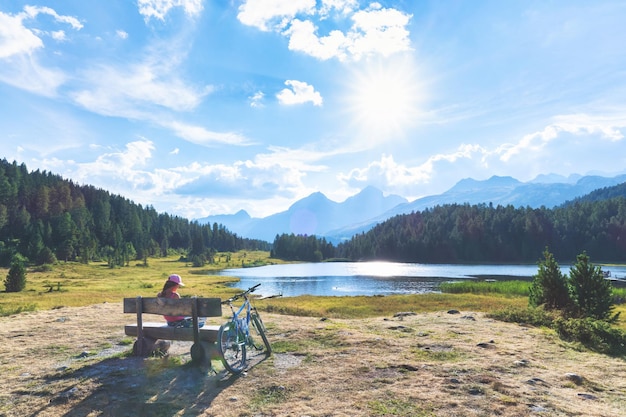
[(207, 107)]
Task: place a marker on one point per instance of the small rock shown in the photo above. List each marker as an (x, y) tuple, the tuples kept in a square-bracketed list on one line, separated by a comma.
[(83, 354), (406, 367), (233, 399), (535, 380), (521, 362), (587, 396), (404, 314), (471, 318), (486, 345), (454, 381), (576, 379), (454, 312), (538, 409), (324, 319)]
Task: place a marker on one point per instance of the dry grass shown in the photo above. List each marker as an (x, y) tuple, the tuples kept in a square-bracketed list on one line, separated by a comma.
[(67, 362)]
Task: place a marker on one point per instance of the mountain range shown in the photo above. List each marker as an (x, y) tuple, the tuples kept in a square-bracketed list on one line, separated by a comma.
[(317, 215)]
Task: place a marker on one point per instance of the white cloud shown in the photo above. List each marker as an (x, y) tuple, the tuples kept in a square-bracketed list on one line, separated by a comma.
[(374, 31), (201, 136), (121, 34), (33, 11), (15, 38), (303, 38), (386, 174), (256, 100), (58, 35), (299, 93), (117, 171), (343, 7), (415, 181), (273, 14), (25, 72), (159, 8), (605, 127), (133, 91), (18, 46), (379, 31)]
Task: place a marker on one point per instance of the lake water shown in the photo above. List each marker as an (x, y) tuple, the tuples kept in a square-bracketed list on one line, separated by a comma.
[(372, 278)]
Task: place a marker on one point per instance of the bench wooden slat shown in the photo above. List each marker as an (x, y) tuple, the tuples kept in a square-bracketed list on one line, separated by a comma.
[(154, 330), (207, 307)]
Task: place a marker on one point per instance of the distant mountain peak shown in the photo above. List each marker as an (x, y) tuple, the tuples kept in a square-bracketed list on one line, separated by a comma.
[(470, 184)]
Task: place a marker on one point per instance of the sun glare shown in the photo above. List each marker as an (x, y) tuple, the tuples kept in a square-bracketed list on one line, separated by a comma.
[(384, 99)]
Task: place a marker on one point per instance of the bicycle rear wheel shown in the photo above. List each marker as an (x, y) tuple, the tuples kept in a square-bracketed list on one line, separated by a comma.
[(232, 347), (259, 338)]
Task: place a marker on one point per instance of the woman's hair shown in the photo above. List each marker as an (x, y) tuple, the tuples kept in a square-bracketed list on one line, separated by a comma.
[(168, 284)]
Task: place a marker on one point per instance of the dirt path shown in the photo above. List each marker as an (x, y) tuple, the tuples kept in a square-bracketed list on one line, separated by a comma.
[(70, 362)]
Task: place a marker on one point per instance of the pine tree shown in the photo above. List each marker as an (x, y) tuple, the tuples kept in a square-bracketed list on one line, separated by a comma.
[(591, 292), (16, 278), (549, 287)]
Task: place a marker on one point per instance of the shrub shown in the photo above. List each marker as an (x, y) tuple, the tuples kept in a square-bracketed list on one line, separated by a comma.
[(596, 335), (533, 316)]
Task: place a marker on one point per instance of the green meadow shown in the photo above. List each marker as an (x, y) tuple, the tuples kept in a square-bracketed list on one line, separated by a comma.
[(76, 284)]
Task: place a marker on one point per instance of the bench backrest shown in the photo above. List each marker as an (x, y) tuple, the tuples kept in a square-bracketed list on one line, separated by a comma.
[(204, 307)]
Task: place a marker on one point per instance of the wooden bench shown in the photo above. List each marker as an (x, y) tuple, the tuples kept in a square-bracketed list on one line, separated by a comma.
[(204, 347)]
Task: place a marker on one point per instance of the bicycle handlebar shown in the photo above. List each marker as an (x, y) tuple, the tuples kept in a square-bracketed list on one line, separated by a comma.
[(243, 294)]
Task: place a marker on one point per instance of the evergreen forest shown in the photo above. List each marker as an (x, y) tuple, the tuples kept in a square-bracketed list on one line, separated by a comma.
[(463, 233), (45, 218)]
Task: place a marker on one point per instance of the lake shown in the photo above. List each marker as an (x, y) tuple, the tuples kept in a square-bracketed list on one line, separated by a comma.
[(373, 278)]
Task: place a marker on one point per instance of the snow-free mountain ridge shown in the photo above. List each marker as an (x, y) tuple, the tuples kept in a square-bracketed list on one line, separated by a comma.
[(317, 215)]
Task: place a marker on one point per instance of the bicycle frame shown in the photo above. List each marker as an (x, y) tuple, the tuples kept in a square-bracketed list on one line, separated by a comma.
[(234, 336), (242, 325)]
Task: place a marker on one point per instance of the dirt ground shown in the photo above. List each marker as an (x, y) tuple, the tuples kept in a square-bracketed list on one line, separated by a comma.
[(74, 362)]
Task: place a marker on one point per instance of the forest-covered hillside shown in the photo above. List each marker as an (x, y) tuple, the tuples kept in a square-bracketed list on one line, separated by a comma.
[(484, 233), (45, 217)]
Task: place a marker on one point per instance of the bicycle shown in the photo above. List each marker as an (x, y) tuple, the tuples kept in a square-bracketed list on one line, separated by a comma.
[(234, 336)]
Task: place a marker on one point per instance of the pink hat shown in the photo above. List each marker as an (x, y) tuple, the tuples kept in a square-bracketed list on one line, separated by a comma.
[(177, 279)]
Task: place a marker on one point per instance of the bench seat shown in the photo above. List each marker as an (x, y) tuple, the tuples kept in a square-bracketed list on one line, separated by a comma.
[(160, 330)]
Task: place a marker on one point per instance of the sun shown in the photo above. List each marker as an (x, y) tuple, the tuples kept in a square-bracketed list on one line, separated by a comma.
[(384, 99)]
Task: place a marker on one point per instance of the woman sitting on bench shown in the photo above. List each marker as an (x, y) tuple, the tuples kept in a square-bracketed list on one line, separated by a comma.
[(170, 287)]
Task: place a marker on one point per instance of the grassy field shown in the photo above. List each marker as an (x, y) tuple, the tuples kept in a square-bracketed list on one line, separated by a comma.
[(75, 285)]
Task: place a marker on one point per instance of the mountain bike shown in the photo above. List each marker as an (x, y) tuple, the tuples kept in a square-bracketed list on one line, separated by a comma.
[(242, 333)]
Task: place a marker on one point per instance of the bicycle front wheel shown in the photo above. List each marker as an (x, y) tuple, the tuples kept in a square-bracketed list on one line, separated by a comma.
[(232, 347), (258, 331)]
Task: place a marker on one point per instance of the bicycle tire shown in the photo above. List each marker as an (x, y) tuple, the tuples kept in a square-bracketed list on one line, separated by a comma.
[(256, 313), (232, 347), (259, 329)]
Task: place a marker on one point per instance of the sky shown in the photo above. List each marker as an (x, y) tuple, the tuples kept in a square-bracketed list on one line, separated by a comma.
[(207, 107)]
